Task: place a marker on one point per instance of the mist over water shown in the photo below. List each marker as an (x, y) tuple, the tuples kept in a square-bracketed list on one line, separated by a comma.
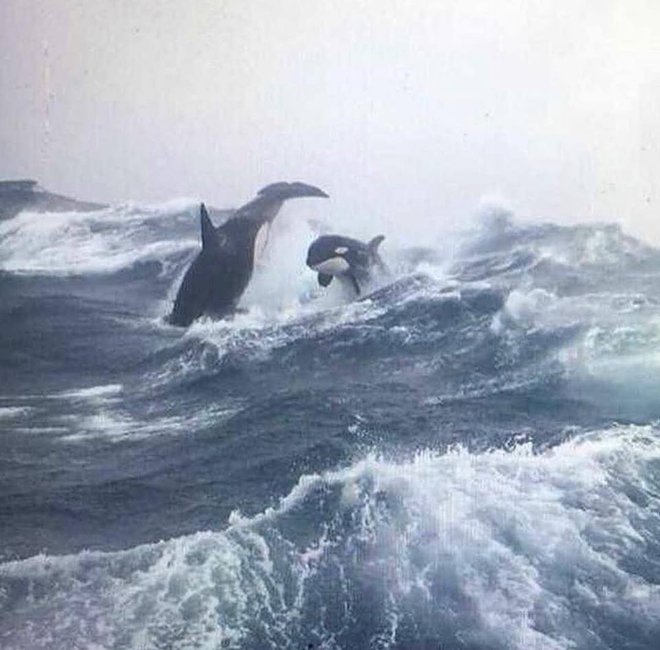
[(404, 112)]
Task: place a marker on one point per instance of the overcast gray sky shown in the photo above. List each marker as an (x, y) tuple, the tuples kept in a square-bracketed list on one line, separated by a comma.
[(411, 110)]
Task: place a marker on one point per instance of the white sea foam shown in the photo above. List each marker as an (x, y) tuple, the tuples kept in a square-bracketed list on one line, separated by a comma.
[(13, 412), (104, 390), (260, 329), (104, 241), (96, 413), (115, 426), (510, 549)]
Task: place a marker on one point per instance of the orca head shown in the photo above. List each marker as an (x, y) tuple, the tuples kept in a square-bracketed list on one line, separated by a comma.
[(329, 255)]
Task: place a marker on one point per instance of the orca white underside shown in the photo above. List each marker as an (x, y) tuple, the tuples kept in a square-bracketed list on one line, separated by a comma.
[(332, 266)]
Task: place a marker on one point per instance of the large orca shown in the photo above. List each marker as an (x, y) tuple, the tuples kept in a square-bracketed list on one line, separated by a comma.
[(348, 259), (221, 272)]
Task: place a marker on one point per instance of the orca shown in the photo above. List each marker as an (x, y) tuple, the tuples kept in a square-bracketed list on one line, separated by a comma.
[(218, 276), (348, 259)]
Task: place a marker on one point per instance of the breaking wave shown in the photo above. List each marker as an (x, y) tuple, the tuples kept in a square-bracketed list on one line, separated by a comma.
[(498, 549), (467, 457)]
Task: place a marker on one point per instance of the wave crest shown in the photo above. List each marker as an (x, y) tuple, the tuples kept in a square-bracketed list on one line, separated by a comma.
[(495, 549)]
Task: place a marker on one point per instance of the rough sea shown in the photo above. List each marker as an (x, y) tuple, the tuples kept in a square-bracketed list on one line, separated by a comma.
[(467, 458)]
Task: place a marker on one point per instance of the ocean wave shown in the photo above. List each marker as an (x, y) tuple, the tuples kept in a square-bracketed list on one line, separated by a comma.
[(413, 313), (479, 340), (500, 549), (535, 330), (98, 242)]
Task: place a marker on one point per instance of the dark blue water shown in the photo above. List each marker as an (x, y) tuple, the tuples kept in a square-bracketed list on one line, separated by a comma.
[(469, 458)]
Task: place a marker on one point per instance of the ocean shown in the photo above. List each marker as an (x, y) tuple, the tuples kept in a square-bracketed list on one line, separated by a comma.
[(466, 458)]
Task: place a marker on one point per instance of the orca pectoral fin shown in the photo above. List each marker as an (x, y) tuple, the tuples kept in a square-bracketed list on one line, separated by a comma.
[(324, 279), (356, 286)]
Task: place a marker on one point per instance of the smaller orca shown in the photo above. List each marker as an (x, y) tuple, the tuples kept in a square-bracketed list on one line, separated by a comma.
[(348, 259)]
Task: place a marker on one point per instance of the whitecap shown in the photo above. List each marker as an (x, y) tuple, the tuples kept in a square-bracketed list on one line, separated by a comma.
[(515, 549)]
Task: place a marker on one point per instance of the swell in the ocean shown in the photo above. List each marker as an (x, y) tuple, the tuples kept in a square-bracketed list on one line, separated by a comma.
[(466, 458)]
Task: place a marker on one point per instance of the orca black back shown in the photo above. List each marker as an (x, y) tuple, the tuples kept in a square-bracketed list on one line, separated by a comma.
[(217, 278)]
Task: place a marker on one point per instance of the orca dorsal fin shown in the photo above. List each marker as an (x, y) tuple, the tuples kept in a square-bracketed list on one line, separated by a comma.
[(209, 235), (375, 243)]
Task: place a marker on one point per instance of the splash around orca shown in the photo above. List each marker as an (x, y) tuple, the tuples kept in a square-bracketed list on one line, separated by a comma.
[(218, 276), (348, 259)]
